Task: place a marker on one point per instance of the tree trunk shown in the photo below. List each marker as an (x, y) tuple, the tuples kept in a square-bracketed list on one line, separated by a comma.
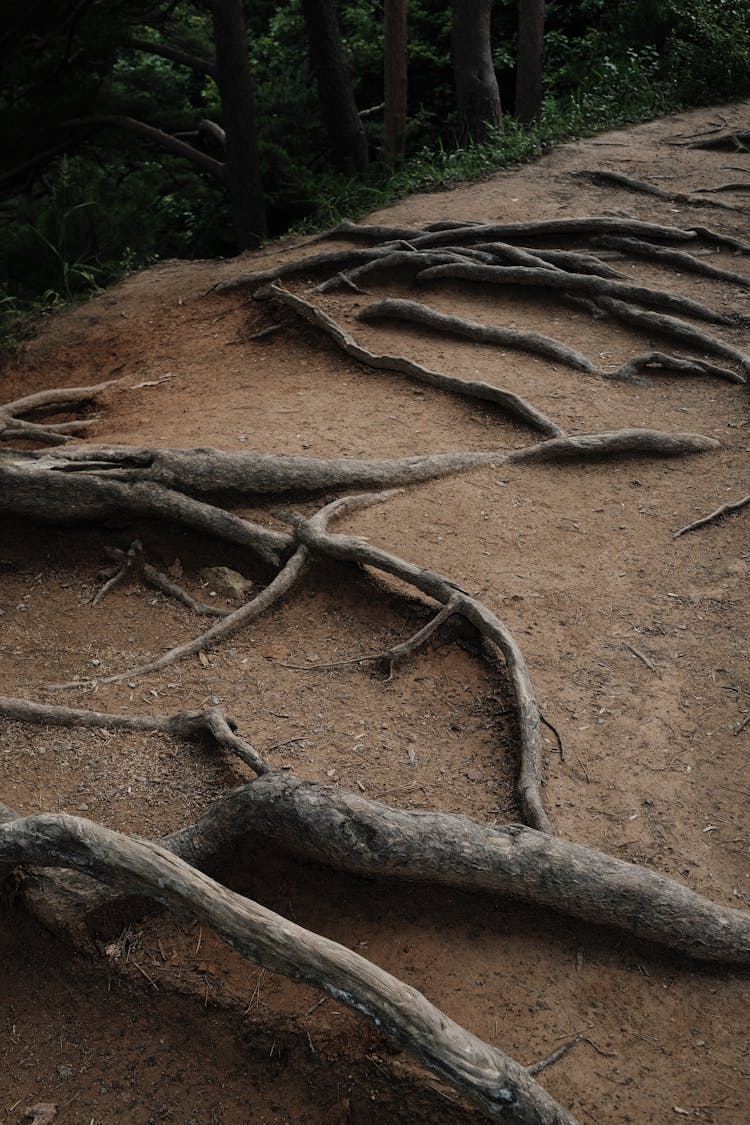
[(235, 88), (476, 85), (529, 61), (395, 63), (338, 108)]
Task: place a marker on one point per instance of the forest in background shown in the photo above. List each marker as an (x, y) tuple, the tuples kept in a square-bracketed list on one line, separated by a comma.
[(84, 199)]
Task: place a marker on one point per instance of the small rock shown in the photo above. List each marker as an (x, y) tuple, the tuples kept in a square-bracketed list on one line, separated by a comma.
[(43, 1113), (64, 1071), (475, 775), (227, 583)]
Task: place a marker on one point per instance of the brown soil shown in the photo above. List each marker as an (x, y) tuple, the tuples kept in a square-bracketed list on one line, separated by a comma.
[(580, 563)]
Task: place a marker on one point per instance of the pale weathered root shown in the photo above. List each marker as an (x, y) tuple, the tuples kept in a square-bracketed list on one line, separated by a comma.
[(569, 260), (725, 187), (413, 311), (153, 577), (492, 1080), (508, 401), (445, 592), (584, 227), (738, 140), (613, 443), (387, 658), (324, 824), (651, 363), (85, 484), (192, 726), (393, 308), (714, 517), (618, 179), (280, 585), (396, 260), (14, 425), (680, 259), (411, 260), (299, 266), (675, 329), (57, 487), (574, 283)]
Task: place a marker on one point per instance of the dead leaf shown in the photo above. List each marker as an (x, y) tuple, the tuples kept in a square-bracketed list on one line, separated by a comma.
[(203, 659)]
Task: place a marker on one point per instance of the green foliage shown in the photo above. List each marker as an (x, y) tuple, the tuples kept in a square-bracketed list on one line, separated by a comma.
[(114, 203)]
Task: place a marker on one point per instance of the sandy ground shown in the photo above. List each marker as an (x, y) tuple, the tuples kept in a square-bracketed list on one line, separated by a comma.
[(578, 560)]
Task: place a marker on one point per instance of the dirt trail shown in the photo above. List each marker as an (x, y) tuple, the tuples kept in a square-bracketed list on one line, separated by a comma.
[(578, 560)]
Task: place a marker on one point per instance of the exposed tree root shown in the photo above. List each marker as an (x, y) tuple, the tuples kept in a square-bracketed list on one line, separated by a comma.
[(738, 140), (73, 489), (680, 259), (714, 517), (618, 179), (250, 611), (492, 1080), (413, 311), (341, 259), (508, 401), (15, 426), (345, 831), (574, 283), (675, 329), (569, 260), (744, 186), (585, 227), (159, 581)]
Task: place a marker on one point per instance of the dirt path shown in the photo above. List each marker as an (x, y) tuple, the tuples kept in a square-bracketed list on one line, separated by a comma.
[(578, 560)]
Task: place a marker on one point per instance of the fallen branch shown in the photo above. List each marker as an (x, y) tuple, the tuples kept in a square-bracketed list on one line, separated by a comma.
[(574, 283), (474, 389), (488, 1077), (714, 517)]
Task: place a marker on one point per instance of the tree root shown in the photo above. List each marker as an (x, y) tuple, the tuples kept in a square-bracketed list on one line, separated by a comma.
[(575, 283), (675, 329), (585, 227), (15, 427), (679, 258), (413, 311), (736, 141), (569, 260), (250, 611), (324, 824), (159, 581), (618, 179), (714, 517), (485, 392), (492, 1080), (413, 260), (301, 266)]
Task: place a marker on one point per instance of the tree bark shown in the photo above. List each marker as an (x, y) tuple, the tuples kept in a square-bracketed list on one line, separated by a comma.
[(236, 91), (395, 63), (338, 108), (529, 60), (476, 85)]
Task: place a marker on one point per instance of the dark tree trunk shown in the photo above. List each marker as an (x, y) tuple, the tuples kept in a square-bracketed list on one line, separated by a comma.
[(529, 61), (338, 108), (395, 65), (476, 85), (236, 90)]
